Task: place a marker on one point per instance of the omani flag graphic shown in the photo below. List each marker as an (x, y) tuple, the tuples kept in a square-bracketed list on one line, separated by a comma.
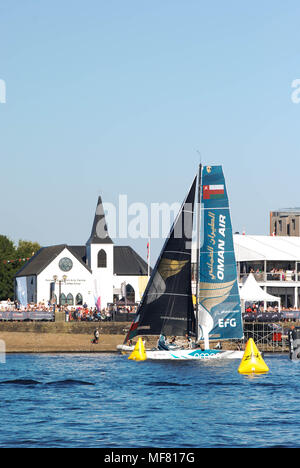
[(213, 192)]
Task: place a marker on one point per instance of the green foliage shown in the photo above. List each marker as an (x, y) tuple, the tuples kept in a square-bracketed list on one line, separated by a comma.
[(27, 249), (13, 254)]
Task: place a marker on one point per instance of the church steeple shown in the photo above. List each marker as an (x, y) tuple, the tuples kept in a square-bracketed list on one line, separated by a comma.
[(99, 234)]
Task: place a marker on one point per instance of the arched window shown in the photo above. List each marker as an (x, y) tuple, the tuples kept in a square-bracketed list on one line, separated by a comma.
[(63, 299), (79, 299), (102, 259), (130, 293), (70, 299)]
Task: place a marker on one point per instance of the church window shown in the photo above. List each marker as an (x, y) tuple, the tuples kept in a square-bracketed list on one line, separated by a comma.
[(130, 293), (79, 299), (70, 299), (63, 299), (102, 259)]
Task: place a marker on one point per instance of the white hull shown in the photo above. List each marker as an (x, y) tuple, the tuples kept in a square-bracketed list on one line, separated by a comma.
[(125, 348), (194, 354), (185, 354)]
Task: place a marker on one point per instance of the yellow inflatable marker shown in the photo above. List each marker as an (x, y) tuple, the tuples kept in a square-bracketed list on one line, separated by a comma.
[(252, 362), (139, 353)]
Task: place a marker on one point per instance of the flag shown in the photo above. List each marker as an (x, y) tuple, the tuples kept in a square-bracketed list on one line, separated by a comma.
[(97, 296), (133, 329), (98, 304), (124, 289), (213, 192), (148, 257)]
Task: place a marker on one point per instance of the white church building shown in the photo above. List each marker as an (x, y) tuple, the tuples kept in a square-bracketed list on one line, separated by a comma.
[(77, 275)]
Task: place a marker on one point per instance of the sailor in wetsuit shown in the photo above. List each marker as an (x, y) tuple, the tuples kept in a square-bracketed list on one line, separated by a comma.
[(161, 344)]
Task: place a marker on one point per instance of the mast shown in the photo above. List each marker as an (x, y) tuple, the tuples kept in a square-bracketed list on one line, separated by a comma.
[(167, 303), (198, 248), (148, 256)]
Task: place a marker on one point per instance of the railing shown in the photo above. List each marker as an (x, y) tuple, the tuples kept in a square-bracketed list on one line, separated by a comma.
[(271, 317), (269, 337), (280, 276), (21, 316)]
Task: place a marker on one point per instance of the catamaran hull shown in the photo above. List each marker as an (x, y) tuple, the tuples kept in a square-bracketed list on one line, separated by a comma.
[(125, 348), (195, 354)]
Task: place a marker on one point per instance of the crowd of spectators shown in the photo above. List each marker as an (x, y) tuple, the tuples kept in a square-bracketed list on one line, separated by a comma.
[(80, 313), (253, 312), (15, 306), (257, 313), (258, 308), (275, 274), (86, 314)]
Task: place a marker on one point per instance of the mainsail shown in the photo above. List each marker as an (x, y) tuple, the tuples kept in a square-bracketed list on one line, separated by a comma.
[(167, 305), (219, 309)]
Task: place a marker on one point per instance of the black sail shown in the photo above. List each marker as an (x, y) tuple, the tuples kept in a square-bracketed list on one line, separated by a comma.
[(167, 303)]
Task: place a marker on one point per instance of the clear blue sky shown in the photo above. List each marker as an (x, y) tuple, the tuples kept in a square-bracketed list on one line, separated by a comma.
[(115, 97)]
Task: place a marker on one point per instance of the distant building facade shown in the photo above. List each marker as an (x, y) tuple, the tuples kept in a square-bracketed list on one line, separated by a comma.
[(274, 262), (285, 222)]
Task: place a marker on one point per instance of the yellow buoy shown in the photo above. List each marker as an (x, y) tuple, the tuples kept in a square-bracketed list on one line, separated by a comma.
[(139, 353), (252, 362)]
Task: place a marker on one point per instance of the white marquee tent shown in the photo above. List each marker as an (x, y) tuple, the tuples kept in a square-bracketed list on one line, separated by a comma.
[(269, 248), (251, 291)]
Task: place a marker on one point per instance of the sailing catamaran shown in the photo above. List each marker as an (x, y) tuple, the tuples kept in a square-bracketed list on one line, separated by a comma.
[(167, 306)]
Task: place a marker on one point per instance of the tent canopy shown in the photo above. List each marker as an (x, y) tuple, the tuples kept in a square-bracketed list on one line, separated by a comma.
[(251, 291), (269, 248)]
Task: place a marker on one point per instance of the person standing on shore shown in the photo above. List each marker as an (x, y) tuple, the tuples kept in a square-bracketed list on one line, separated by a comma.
[(96, 336)]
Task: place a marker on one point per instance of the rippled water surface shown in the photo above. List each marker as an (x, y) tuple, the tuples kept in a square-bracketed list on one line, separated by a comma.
[(108, 401)]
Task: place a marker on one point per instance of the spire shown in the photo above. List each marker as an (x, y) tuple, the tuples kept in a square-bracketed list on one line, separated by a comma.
[(99, 234)]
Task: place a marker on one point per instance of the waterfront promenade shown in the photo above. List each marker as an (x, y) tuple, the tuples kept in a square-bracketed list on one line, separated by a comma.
[(76, 337), (60, 337)]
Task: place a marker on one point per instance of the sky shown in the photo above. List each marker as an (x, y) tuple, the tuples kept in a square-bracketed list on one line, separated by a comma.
[(123, 96)]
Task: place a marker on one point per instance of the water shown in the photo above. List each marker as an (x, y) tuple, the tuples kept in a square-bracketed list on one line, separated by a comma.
[(108, 401)]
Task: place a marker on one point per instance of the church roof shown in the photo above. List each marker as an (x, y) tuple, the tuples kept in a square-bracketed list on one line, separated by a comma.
[(99, 234), (127, 262), (46, 255)]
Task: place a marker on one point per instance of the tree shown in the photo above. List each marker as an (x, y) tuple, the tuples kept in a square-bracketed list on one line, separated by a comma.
[(12, 258), (27, 249), (7, 271)]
